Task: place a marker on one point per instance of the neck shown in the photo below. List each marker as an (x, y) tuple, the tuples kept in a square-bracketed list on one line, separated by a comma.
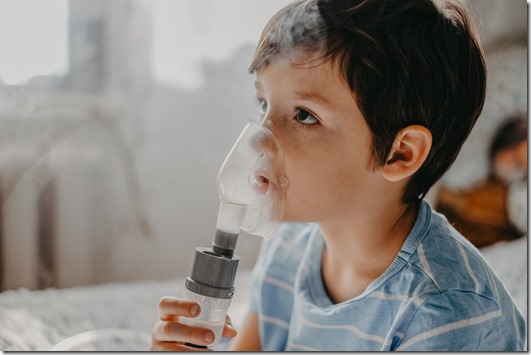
[(360, 249)]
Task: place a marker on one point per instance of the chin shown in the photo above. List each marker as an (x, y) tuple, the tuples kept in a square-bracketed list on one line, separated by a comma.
[(296, 218)]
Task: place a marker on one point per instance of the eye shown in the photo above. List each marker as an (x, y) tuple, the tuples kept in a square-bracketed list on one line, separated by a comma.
[(306, 118)]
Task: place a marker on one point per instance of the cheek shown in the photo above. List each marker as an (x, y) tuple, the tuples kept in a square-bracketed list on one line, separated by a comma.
[(326, 176), (304, 181), (318, 188)]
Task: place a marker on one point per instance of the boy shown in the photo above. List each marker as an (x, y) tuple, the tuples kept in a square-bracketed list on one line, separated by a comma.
[(370, 102)]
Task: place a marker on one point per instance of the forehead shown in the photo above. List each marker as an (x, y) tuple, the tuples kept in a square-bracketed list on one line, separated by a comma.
[(303, 72)]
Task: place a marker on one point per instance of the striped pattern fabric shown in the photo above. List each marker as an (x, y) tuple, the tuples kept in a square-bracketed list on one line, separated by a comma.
[(439, 294)]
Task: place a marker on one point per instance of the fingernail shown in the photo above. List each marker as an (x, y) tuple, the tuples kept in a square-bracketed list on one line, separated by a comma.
[(209, 337), (194, 310)]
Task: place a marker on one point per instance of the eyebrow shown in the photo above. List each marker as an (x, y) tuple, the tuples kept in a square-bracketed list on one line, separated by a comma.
[(304, 95), (313, 96)]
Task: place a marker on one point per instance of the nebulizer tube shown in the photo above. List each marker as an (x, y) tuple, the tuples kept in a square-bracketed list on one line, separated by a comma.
[(252, 188)]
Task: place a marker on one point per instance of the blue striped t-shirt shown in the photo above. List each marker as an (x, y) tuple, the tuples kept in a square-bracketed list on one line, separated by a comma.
[(438, 294)]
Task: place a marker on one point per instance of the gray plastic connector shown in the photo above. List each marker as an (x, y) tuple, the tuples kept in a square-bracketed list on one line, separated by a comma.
[(224, 243), (212, 274)]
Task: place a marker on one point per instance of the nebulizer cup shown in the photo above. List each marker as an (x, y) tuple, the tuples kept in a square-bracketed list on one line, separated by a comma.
[(252, 187)]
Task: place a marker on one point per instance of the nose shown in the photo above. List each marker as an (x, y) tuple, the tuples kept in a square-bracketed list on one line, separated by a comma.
[(269, 172), (264, 142)]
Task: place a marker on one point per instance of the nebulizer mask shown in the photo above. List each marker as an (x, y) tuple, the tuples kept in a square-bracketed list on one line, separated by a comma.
[(252, 187)]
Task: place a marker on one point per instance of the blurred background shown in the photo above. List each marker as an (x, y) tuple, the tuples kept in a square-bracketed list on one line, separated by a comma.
[(115, 117)]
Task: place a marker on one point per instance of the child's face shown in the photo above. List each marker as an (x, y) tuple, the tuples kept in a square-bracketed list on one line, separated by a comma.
[(325, 140), (510, 164)]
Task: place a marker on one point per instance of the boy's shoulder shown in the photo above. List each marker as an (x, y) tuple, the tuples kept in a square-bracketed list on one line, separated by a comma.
[(446, 261), (452, 286)]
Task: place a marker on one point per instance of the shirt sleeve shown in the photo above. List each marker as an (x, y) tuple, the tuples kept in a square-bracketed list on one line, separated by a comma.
[(460, 321)]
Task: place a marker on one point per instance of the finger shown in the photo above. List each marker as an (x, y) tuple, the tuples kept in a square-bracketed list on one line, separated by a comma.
[(173, 346), (229, 332), (228, 329), (170, 307), (178, 332)]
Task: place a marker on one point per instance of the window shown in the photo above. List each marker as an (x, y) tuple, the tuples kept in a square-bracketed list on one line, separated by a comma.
[(188, 31), (33, 39)]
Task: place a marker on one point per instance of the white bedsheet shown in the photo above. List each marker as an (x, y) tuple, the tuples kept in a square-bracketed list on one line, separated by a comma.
[(38, 320)]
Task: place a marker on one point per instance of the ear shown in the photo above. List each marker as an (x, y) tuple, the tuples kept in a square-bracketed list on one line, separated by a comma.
[(409, 151)]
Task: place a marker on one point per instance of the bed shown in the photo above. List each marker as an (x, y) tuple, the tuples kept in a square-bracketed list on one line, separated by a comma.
[(119, 316)]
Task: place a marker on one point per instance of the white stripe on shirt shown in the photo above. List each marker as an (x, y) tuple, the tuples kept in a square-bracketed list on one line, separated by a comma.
[(279, 283), (348, 327), (449, 327), (467, 265), (276, 321), (290, 248), (516, 323), (395, 296), (493, 283), (425, 264)]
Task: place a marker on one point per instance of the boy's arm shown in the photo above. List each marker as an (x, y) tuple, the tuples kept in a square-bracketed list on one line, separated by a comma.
[(248, 338)]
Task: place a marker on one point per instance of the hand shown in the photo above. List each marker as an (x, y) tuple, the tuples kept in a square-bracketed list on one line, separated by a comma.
[(169, 334)]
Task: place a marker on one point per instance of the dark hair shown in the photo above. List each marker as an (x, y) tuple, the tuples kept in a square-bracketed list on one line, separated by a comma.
[(408, 62), (511, 132)]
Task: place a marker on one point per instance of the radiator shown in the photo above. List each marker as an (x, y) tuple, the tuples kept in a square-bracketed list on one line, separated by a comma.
[(58, 203)]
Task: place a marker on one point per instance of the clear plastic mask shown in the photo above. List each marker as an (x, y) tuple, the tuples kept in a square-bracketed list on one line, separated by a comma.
[(252, 184)]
